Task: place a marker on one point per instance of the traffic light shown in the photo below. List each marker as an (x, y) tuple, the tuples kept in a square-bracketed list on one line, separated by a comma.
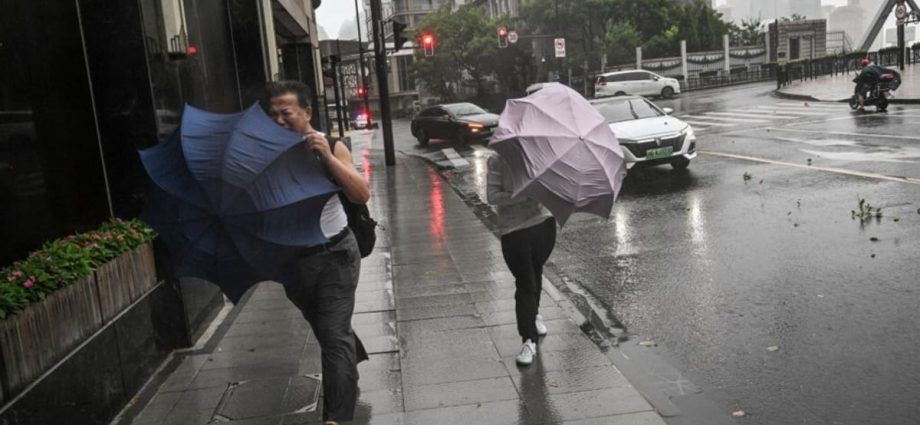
[(502, 37), (428, 44), (361, 91), (399, 37)]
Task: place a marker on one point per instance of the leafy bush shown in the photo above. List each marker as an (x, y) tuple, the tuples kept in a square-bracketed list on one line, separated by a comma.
[(60, 262)]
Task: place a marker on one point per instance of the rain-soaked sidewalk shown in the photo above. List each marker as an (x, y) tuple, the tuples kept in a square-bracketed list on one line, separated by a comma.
[(435, 309), (839, 88)]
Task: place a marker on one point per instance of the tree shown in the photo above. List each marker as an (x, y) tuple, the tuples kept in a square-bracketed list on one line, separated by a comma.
[(621, 41), (748, 34), (465, 46)]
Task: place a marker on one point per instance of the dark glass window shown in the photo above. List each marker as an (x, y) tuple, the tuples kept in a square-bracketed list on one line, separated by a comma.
[(51, 179)]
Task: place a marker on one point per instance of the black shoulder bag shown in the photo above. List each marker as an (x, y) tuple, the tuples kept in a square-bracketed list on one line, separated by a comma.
[(359, 217)]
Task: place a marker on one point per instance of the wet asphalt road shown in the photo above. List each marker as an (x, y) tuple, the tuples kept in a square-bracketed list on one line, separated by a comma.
[(763, 292)]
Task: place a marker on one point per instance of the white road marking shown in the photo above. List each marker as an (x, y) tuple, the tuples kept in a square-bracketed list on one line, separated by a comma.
[(908, 180), (455, 159), (814, 105), (797, 111), (703, 123), (844, 133), (760, 115), (731, 120)]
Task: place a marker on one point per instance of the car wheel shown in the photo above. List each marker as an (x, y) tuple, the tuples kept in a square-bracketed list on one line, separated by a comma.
[(883, 105), (620, 93), (680, 163), (422, 137), (667, 92), (854, 102)]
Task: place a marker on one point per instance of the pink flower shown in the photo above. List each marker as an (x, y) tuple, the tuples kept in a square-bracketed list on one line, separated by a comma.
[(28, 283), (96, 237), (17, 274)]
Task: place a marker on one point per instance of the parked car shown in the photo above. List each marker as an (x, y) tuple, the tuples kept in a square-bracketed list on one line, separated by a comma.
[(639, 82), (463, 122), (648, 134)]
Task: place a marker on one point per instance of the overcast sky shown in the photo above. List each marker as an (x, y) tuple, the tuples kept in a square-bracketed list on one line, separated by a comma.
[(333, 13)]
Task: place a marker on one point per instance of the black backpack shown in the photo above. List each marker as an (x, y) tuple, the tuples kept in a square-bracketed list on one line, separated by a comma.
[(359, 217)]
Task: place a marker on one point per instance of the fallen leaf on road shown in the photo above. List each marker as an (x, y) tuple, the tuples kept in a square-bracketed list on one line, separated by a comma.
[(648, 344), (773, 348), (739, 413), (807, 105)]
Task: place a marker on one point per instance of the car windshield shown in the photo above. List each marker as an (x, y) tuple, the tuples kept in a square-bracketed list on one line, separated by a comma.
[(462, 109), (627, 110)]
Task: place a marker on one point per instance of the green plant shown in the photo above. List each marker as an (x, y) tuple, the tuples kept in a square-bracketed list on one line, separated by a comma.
[(61, 261), (865, 212)]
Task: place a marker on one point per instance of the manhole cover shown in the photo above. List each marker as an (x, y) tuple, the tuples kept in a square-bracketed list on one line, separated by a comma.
[(268, 397)]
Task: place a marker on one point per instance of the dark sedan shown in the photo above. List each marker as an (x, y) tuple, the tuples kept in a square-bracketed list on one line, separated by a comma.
[(464, 122)]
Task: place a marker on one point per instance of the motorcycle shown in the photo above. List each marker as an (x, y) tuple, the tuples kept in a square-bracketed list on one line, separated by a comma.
[(878, 93)]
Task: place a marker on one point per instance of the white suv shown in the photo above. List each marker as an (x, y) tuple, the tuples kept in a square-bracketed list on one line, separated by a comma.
[(639, 82)]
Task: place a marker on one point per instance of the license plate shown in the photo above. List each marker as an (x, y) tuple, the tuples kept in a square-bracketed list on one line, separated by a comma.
[(659, 152)]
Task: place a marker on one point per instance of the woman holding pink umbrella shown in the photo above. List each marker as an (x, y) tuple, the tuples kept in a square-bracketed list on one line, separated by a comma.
[(528, 236), (554, 149)]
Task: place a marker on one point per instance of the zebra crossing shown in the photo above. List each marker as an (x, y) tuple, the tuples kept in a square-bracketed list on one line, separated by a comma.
[(761, 115)]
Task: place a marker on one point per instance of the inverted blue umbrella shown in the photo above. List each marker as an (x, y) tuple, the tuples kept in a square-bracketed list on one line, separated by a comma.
[(235, 198)]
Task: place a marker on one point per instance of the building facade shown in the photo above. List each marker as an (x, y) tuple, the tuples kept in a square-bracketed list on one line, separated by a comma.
[(85, 84), (794, 40)]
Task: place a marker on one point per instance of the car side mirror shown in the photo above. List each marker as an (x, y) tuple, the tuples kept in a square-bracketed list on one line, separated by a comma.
[(667, 111), (656, 78)]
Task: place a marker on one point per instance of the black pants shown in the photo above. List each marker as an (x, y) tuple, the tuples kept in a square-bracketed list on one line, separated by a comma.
[(525, 252), (325, 294)]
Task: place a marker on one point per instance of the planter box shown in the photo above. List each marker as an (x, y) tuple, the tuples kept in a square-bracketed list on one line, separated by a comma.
[(34, 339), (124, 280)]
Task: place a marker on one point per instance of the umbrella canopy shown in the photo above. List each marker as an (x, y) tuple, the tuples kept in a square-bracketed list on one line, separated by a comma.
[(235, 197), (560, 152)]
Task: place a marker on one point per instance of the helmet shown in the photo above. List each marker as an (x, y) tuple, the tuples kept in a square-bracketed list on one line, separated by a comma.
[(864, 62)]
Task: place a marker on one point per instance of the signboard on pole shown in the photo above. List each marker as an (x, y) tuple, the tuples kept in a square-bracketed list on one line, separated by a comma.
[(512, 37), (900, 12), (559, 44)]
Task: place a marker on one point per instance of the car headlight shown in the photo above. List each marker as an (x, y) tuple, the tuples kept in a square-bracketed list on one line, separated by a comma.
[(688, 133)]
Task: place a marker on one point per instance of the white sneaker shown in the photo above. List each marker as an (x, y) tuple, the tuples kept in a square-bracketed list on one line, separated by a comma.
[(541, 327), (528, 351)]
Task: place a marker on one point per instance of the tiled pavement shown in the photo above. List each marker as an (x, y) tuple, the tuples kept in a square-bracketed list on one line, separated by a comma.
[(435, 308)]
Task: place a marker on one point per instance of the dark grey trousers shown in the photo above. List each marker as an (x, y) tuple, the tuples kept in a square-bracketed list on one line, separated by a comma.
[(525, 252), (325, 295)]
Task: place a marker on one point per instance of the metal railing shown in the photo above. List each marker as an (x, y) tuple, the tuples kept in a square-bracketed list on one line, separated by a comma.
[(809, 69), (704, 81)]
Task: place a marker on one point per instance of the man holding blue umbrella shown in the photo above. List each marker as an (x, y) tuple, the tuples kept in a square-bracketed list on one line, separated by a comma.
[(328, 273)]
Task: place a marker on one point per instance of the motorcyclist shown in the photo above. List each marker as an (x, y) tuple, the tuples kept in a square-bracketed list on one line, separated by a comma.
[(868, 76)]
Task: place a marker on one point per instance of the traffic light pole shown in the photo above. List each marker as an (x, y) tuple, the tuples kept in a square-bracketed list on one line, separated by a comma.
[(383, 86)]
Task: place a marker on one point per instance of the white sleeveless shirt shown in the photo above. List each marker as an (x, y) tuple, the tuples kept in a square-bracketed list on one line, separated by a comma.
[(333, 219)]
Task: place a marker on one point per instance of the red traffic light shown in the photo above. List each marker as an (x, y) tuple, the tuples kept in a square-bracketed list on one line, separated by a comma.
[(502, 31), (427, 39), (361, 91)]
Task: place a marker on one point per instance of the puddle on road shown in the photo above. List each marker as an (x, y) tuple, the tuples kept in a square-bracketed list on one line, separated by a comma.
[(820, 142)]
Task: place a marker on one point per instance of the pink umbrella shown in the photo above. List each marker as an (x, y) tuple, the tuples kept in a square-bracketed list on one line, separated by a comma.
[(560, 152)]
